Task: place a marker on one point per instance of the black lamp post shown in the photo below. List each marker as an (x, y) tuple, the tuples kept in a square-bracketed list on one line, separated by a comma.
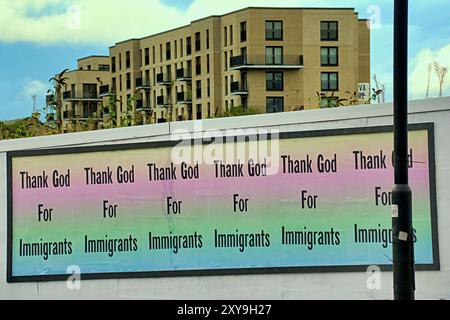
[(403, 235)]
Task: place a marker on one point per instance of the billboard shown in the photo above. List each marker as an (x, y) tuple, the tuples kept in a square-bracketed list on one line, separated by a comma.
[(320, 202)]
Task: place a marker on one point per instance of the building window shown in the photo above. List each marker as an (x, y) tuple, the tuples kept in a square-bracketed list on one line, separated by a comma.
[(154, 54), (168, 53), (89, 91), (188, 46), (197, 42), (175, 49), (225, 36), (226, 85), (120, 61), (207, 39), (198, 89), (181, 48), (231, 35), (199, 112), (329, 30), (207, 64), (147, 56), (243, 31), (120, 82), (329, 102), (329, 56), (198, 66), (330, 81), (274, 81), (274, 55), (274, 30), (208, 88), (113, 64), (128, 81), (103, 67), (160, 53), (274, 104), (226, 61), (128, 60)]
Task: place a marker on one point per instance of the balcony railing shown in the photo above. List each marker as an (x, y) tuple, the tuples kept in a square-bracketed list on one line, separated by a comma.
[(163, 79), (266, 62), (67, 95), (237, 88), (104, 90), (184, 75), (50, 99), (141, 84), (139, 104), (184, 98), (87, 96), (163, 101)]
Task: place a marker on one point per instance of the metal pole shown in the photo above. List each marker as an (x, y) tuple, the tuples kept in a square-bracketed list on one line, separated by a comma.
[(403, 235)]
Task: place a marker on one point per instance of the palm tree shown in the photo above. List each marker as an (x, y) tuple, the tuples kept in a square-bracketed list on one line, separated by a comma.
[(59, 81), (441, 72)]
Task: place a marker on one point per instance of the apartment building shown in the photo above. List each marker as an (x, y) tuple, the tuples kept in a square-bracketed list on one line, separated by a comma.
[(85, 91), (267, 59)]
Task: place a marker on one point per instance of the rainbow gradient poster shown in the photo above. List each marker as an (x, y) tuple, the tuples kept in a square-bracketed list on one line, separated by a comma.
[(316, 202)]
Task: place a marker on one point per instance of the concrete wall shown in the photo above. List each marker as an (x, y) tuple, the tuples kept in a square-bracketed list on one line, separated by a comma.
[(430, 285)]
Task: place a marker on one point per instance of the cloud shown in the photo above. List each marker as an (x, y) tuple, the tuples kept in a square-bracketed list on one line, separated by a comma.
[(106, 22), (34, 87), (419, 75), (84, 21)]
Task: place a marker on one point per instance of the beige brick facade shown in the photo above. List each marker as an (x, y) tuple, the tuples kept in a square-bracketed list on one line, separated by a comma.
[(267, 59)]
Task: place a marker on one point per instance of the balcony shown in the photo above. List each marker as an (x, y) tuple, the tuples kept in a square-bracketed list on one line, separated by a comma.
[(50, 99), (141, 84), (87, 96), (163, 102), (67, 95), (184, 75), (238, 89), (104, 91), (184, 98), (266, 62), (162, 79)]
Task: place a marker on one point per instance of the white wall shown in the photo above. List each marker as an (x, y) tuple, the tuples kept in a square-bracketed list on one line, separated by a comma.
[(430, 285)]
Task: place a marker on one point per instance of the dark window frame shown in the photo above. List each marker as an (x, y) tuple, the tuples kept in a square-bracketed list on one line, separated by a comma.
[(243, 31), (198, 41), (147, 56), (328, 63), (329, 81), (274, 99), (273, 86), (168, 51), (273, 62), (271, 33), (328, 30), (128, 59), (188, 46)]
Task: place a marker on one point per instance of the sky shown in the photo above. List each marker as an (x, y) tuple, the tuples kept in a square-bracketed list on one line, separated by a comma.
[(39, 38)]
